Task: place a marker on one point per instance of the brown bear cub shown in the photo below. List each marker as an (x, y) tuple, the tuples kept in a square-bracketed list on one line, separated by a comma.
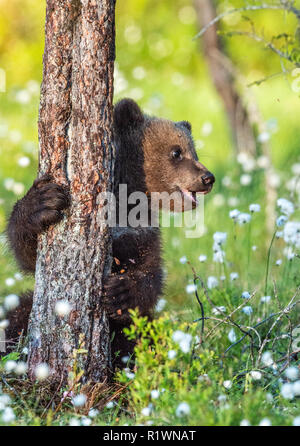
[(152, 155)]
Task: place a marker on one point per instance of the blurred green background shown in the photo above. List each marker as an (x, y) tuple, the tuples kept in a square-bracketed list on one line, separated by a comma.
[(161, 66)]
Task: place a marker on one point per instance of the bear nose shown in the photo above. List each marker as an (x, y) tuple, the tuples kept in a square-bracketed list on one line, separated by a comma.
[(208, 179)]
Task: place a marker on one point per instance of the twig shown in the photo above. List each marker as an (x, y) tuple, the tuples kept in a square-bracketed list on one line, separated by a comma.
[(285, 7)]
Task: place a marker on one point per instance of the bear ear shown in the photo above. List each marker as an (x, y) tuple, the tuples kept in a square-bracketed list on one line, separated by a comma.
[(186, 124), (127, 114)]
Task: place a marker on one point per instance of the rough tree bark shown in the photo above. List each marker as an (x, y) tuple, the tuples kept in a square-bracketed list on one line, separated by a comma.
[(76, 148), (224, 81)]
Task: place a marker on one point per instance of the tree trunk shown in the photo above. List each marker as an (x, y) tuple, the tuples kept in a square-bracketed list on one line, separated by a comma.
[(76, 148), (223, 79), (242, 111)]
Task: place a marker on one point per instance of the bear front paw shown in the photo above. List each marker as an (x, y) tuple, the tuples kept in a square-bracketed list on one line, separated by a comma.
[(45, 202), (117, 296)]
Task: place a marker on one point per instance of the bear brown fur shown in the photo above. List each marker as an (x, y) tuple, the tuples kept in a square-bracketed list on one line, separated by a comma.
[(152, 155)]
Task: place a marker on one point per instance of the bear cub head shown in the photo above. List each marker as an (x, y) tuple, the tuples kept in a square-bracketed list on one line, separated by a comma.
[(160, 151)]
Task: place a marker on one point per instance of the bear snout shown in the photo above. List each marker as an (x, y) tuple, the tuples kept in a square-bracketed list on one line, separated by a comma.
[(208, 179)]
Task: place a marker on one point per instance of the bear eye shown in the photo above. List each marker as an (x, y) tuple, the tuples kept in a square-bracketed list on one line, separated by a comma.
[(176, 153)]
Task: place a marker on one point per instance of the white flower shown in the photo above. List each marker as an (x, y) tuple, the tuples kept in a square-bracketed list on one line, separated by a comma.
[(292, 373), (254, 248), (178, 335), (11, 302), (110, 405), (125, 359), (183, 409), (256, 375), (220, 237), (207, 128), (234, 214), (23, 96), (212, 282), (243, 218), (62, 308), (160, 305), (222, 278), (227, 384), (155, 394), (8, 415), (146, 411), (172, 354), (245, 179), (191, 288), (4, 401), (263, 137), (245, 423), (287, 391), (18, 276), (265, 422), (183, 260), (265, 299), (18, 188), (219, 256), (233, 201), (42, 371), (269, 397), (281, 220), (4, 324), (291, 233), (226, 181), (93, 413), (222, 398), (263, 162), (248, 163), (248, 310), (278, 262), (10, 281), (234, 276), (219, 310), (254, 208), (202, 258), (79, 400), (218, 200), (21, 368), (274, 180), (74, 422), (296, 169), (129, 374), (85, 421), (296, 388), (185, 343), (289, 253), (267, 359), (24, 161), (246, 295), (285, 206), (232, 336), (296, 421), (10, 366), (139, 73)]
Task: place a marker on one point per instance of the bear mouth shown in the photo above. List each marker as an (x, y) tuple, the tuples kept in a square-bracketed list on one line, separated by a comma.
[(191, 196)]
